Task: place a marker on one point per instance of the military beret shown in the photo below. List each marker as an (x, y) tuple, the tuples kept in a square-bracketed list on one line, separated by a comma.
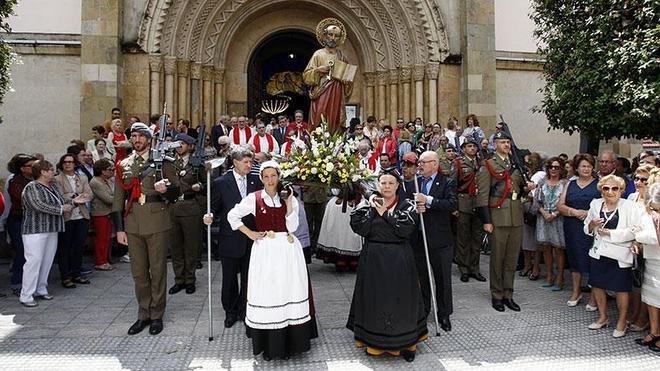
[(469, 140), (183, 137), (410, 157), (141, 128), (502, 135)]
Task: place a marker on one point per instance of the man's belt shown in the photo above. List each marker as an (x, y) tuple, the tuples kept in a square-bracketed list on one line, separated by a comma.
[(190, 196)]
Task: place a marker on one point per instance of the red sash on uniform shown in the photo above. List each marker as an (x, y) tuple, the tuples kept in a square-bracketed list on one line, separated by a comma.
[(371, 163), (237, 134), (257, 143), (287, 146), (468, 184), (133, 187), (500, 176)]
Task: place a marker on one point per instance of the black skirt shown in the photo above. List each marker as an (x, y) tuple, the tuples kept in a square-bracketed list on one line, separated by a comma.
[(387, 311), (606, 274), (284, 342)]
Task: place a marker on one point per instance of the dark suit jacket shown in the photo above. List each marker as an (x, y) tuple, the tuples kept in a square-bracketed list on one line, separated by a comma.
[(216, 132), (279, 136), (437, 218), (224, 196)]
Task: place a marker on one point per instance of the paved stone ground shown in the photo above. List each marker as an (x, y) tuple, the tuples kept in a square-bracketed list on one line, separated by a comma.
[(85, 329)]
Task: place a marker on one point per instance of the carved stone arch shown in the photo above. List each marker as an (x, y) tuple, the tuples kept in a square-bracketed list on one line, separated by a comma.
[(151, 27), (368, 37), (434, 30)]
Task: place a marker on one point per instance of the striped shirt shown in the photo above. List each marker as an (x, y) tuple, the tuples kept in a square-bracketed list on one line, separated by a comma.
[(42, 209)]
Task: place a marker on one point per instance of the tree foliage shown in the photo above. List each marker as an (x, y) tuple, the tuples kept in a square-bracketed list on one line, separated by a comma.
[(603, 66), (6, 52)]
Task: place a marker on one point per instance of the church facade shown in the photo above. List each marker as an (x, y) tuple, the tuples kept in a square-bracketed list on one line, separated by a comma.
[(416, 58)]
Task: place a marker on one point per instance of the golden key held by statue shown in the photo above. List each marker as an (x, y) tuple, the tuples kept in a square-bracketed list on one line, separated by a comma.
[(330, 65)]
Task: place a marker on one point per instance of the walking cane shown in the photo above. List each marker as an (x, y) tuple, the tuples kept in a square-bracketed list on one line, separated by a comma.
[(428, 265), (209, 166)]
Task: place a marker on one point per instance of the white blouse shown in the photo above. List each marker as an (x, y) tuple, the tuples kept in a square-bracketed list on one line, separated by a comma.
[(248, 206)]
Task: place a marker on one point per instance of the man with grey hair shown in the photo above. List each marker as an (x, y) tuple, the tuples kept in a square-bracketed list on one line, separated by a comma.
[(607, 163), (233, 246), (218, 130)]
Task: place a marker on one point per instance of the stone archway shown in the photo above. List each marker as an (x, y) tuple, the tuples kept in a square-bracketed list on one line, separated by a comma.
[(280, 59)]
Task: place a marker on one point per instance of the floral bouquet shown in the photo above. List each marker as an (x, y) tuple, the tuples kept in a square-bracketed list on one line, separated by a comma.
[(330, 162)]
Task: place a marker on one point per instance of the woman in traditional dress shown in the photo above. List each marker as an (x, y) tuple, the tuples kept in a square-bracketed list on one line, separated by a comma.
[(280, 311), (337, 245), (387, 312)]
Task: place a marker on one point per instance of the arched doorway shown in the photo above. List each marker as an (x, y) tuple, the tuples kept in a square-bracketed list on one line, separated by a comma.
[(275, 70)]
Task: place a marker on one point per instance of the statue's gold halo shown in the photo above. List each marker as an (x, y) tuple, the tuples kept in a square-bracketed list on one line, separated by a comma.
[(320, 29)]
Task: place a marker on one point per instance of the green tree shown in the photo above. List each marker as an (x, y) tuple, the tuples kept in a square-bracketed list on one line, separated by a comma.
[(603, 66), (6, 52)]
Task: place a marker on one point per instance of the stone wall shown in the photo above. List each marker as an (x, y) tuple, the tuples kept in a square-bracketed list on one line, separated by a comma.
[(517, 93), (135, 89), (42, 113)]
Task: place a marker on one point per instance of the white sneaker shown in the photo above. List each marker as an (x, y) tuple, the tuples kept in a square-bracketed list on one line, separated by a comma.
[(573, 303), (590, 308), (125, 259), (30, 304)]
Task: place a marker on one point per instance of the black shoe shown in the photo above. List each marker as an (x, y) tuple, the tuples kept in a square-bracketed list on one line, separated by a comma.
[(190, 288), (138, 326), (408, 355), (156, 327), (465, 277), (266, 357), (216, 258), (477, 276), (497, 305), (511, 305), (176, 288), (230, 320), (445, 324), (199, 265)]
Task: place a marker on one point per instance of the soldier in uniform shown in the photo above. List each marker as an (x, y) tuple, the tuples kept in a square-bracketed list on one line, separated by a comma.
[(448, 162), (469, 229), (142, 220), (499, 190), (186, 216)]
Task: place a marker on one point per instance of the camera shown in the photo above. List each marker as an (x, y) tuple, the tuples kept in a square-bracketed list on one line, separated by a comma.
[(285, 190)]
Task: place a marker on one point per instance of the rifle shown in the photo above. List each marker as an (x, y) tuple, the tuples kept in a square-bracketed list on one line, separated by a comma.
[(197, 158), (515, 152), (159, 150)]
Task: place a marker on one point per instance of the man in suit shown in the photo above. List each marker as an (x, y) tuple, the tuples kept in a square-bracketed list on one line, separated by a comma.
[(218, 131), (279, 133), (499, 190), (141, 217), (436, 200), (234, 247)]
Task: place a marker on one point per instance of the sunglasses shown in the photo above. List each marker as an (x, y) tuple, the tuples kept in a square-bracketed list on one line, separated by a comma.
[(608, 189), (554, 167), (640, 179)]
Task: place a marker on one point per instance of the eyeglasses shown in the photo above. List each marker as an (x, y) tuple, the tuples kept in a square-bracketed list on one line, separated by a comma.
[(640, 179), (68, 162), (554, 167), (612, 189), (421, 162)]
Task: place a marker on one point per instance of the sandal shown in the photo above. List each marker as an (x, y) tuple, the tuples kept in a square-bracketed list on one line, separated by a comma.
[(524, 273), (533, 277), (82, 280), (105, 267), (68, 284)]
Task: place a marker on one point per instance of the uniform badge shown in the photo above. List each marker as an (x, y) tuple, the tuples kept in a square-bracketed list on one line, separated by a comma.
[(514, 196), (143, 199), (182, 173)]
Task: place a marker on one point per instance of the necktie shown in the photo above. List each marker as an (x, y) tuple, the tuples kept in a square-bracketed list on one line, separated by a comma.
[(242, 187), (457, 143), (425, 182)]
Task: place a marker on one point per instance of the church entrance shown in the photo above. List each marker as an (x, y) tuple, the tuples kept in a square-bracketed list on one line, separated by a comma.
[(275, 71)]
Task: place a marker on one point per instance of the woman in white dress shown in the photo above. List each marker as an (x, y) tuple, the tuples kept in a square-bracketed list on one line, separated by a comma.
[(280, 312), (337, 243)]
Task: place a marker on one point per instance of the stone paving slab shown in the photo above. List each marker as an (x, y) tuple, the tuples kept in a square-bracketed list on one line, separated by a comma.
[(85, 329)]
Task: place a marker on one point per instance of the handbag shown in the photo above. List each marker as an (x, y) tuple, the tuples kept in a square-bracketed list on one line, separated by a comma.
[(637, 271), (529, 214)]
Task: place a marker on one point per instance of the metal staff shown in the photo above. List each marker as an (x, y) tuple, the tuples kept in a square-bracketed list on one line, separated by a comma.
[(209, 166), (428, 265)]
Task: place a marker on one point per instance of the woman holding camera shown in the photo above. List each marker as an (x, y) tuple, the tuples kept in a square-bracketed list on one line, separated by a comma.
[(280, 312), (76, 222), (387, 312)]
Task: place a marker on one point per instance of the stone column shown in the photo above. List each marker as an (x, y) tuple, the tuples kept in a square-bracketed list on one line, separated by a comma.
[(207, 94), (219, 79), (370, 80), (478, 93), (170, 69), (183, 70), (406, 74), (432, 76), (382, 98), (100, 62), (195, 93), (155, 65), (418, 76), (394, 94)]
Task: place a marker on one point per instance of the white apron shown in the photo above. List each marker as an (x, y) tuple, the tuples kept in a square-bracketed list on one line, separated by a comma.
[(278, 286)]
